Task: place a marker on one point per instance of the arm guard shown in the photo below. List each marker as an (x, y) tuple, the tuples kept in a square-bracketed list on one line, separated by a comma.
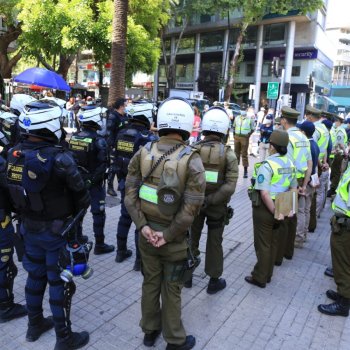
[(102, 161)]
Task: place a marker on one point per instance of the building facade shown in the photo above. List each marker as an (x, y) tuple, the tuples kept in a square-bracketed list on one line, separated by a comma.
[(208, 43)]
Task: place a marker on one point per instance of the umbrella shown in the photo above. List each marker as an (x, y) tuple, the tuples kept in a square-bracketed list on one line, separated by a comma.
[(42, 77)]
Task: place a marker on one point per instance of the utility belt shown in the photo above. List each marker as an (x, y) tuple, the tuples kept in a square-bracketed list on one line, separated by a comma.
[(241, 135), (338, 222), (6, 222), (56, 226)]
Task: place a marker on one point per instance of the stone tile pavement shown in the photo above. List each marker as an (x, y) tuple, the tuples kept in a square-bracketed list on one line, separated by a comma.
[(282, 316)]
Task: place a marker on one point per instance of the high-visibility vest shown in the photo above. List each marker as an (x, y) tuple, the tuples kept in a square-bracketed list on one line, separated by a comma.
[(334, 134), (340, 203), (242, 125), (283, 171), (322, 142), (301, 149)]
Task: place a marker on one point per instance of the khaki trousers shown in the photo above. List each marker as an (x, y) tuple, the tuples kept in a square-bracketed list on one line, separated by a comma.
[(303, 216), (264, 151), (321, 192), (241, 148)]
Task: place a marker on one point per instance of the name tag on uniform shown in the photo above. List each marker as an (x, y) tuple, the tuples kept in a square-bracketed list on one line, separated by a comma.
[(283, 171), (301, 144), (148, 194), (78, 144), (211, 176), (125, 146)]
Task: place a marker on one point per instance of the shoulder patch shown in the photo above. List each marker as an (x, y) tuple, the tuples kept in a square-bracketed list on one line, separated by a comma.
[(261, 178)]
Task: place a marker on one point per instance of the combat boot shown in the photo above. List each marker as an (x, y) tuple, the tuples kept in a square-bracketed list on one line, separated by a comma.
[(137, 265), (122, 255), (68, 340), (38, 326), (103, 248), (338, 308), (187, 345), (245, 175), (188, 283), (215, 285), (329, 272), (331, 294), (10, 310)]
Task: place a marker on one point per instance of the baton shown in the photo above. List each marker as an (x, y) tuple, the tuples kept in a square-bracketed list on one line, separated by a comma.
[(73, 222)]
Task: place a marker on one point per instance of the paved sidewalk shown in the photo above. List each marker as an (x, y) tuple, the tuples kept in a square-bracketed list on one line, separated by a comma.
[(282, 316)]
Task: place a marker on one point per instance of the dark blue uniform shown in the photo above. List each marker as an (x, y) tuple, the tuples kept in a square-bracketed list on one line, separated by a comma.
[(46, 190), (128, 142), (91, 154)]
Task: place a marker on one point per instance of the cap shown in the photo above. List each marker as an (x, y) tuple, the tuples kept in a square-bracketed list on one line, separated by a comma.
[(313, 111), (340, 116), (328, 124), (308, 127), (288, 112), (279, 138), (278, 120), (327, 115)]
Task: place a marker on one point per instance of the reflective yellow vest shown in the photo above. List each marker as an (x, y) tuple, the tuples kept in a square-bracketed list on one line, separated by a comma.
[(322, 142), (301, 149), (335, 132), (340, 203), (242, 125)]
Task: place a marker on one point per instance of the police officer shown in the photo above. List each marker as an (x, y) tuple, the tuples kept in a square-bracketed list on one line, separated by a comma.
[(91, 154), (299, 152), (117, 120), (46, 189), (340, 250), (8, 270), (135, 135), (339, 142), (275, 175), (221, 173), (165, 189), (243, 127)]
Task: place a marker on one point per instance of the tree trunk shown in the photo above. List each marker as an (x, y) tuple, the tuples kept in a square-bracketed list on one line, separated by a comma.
[(100, 74), (64, 65), (233, 63), (118, 52)]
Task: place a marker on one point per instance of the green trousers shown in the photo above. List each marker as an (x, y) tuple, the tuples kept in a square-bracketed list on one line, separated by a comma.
[(336, 170), (313, 216), (155, 264), (291, 228), (214, 257), (340, 249), (266, 231)]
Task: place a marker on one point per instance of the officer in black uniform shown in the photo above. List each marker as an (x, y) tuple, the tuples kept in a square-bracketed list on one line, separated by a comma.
[(46, 190), (135, 135), (91, 154), (117, 120), (8, 270)]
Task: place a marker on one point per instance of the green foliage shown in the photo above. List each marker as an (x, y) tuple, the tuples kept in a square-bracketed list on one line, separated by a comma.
[(9, 9)]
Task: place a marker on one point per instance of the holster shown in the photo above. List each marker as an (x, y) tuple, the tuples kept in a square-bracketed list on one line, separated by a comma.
[(254, 196), (337, 223)]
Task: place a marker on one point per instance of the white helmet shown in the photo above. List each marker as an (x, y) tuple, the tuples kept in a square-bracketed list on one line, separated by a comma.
[(42, 119), (18, 102), (91, 116), (7, 122), (216, 119), (175, 114), (141, 112)]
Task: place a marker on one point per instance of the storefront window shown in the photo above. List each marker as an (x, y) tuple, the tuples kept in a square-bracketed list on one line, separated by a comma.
[(212, 41), (184, 72), (251, 35), (275, 33)]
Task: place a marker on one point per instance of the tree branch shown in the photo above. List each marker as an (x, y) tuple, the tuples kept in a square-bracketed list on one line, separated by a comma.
[(42, 60)]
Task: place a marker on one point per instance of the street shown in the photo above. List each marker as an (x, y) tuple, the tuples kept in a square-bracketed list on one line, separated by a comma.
[(282, 316)]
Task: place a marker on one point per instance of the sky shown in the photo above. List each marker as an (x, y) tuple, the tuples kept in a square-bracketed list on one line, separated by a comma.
[(338, 13)]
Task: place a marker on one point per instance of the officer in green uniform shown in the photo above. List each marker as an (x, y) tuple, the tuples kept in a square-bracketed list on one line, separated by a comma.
[(339, 151), (275, 175), (221, 173), (299, 152), (165, 189), (243, 127), (340, 250)]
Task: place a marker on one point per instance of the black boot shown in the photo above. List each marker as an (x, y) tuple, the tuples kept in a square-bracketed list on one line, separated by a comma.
[(10, 310), (187, 345), (338, 308), (188, 283), (329, 272), (68, 340), (215, 285), (122, 255), (103, 248), (245, 175), (137, 265), (331, 294), (38, 326), (150, 338)]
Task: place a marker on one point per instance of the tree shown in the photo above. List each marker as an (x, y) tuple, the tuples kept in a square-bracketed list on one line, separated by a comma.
[(118, 52), (252, 12), (54, 30), (8, 13)]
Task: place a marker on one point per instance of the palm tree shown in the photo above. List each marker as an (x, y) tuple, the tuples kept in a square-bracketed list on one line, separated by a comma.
[(118, 53)]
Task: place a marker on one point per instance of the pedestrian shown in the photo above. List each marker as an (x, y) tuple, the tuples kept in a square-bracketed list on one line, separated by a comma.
[(69, 107), (46, 190), (165, 189), (129, 140), (91, 154), (196, 126), (260, 117), (116, 120), (9, 310), (266, 129), (340, 251), (299, 152), (275, 175), (221, 172), (339, 152), (243, 127), (303, 218)]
